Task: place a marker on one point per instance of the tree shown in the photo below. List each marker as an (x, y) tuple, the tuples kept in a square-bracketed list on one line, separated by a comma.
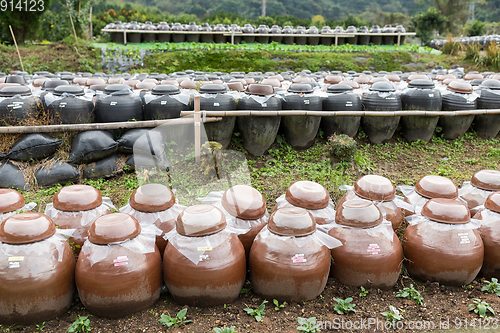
[(24, 22), (456, 11), (425, 24)]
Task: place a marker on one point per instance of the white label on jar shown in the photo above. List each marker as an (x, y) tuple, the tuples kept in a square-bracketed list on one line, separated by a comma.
[(62, 105), (348, 103), (431, 95), (299, 258), (306, 101), (204, 257), (16, 258), (373, 249), (14, 264), (113, 103), (264, 105), (390, 97), (216, 104), (163, 102), (204, 248), (464, 238), (120, 261)]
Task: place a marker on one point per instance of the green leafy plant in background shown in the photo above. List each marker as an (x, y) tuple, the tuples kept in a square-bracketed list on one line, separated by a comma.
[(225, 329), (178, 320), (277, 305), (393, 314), (411, 293), (344, 306), (308, 325), (258, 313), (363, 292), (480, 307), (492, 286), (81, 324)]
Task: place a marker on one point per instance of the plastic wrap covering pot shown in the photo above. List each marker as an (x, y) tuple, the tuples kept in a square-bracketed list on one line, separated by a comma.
[(420, 95), (326, 40), (204, 265), (37, 270), (154, 204), (286, 262), (381, 97), (458, 96), (213, 98), (161, 32), (488, 125), (164, 101), (248, 29), (363, 39), (119, 268), (482, 184), (443, 244), (134, 37), (150, 36), (77, 207), (118, 37), (219, 36), (300, 35), (118, 103), (313, 40), (177, 33), (388, 39), (300, 131), (18, 104), (354, 39), (276, 30), (340, 40), (258, 132), (370, 254), (69, 105), (263, 31), (206, 36), (341, 97), (288, 30), (376, 40), (194, 36), (490, 234), (399, 29)]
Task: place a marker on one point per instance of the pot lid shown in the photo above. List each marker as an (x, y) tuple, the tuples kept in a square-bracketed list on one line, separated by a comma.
[(260, 89), (145, 85), (308, 195), (382, 86), (333, 79), (165, 89), (111, 88), (94, 80), (421, 84), (131, 83), (442, 77), (460, 87), (338, 88), (432, 186), (493, 202), (113, 228), (187, 84), (374, 187), (303, 88), (113, 80), (249, 80), (98, 87), (15, 79), (491, 84), (488, 180), (352, 84), (236, 86), (26, 228), (393, 77), (39, 82), (74, 90), (75, 198), (152, 198), (446, 211), (291, 221), (300, 79), (245, 202), (10, 200), (472, 76), (200, 220), (274, 82), (11, 91), (362, 79), (358, 213), (212, 89)]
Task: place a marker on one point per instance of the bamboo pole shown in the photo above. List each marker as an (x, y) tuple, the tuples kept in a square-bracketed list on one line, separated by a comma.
[(90, 23), (17, 48), (72, 25), (197, 129), (100, 126)]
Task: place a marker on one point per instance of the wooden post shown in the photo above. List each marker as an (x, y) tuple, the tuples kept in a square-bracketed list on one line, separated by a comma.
[(90, 23), (72, 25), (336, 38), (399, 37), (197, 129), (17, 48)]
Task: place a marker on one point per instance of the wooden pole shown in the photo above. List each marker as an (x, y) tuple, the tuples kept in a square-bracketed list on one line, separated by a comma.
[(90, 23), (197, 129), (72, 25), (17, 48)]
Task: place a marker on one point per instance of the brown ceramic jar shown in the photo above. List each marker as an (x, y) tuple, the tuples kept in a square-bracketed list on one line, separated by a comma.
[(204, 265), (76, 207), (37, 274), (482, 184), (371, 253), (430, 187), (382, 192), (439, 248), (10, 200), (280, 268), (116, 280), (490, 234)]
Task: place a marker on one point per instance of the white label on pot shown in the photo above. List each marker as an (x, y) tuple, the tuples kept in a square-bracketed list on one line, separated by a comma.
[(306, 101), (373, 249), (216, 104), (264, 105), (113, 103), (14, 264), (348, 103), (431, 95), (15, 105), (204, 257), (16, 258), (120, 261), (62, 105), (299, 258), (204, 248), (464, 238), (391, 98), (163, 102)]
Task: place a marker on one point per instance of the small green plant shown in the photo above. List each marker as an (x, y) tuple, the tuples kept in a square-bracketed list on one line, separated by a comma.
[(308, 325), (277, 305), (225, 329), (81, 324), (411, 293), (40, 327), (344, 306), (258, 313), (363, 292), (480, 307), (492, 286), (393, 314), (178, 320)]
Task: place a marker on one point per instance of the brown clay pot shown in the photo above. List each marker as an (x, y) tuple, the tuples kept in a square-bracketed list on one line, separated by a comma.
[(281, 270), (125, 281), (367, 258), (10, 200), (219, 275), (490, 234), (451, 257), (486, 181), (34, 285), (430, 187)]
